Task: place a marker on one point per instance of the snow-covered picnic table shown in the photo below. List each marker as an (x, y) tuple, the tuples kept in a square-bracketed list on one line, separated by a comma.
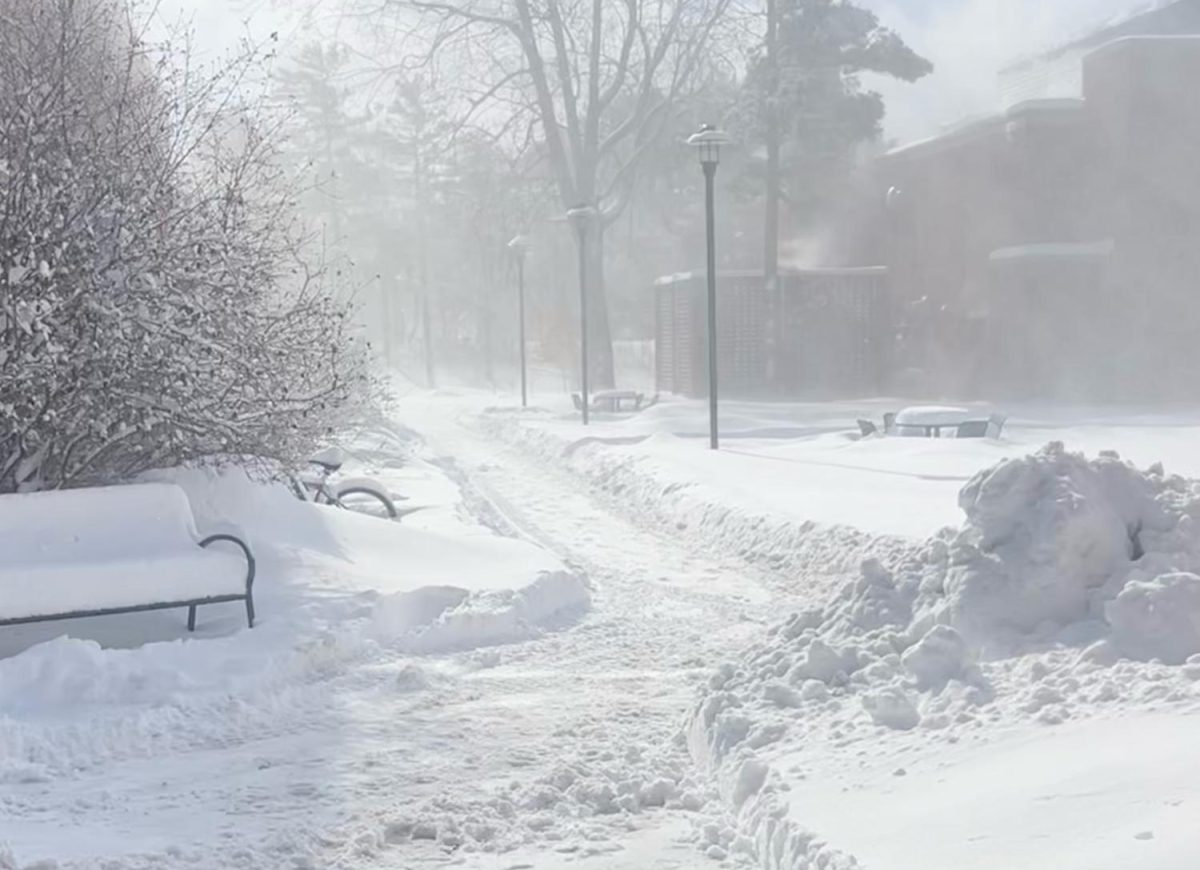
[(930, 420), (114, 549), (613, 400)]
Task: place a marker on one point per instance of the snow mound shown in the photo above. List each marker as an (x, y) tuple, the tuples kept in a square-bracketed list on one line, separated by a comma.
[(1043, 533), (445, 619), (938, 657), (892, 708), (1048, 539), (1058, 555), (1072, 587), (1158, 618)]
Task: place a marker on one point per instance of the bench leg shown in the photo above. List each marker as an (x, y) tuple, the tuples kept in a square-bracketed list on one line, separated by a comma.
[(191, 617), (250, 611)]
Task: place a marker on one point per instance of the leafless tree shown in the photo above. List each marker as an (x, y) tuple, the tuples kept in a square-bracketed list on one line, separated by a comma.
[(591, 84)]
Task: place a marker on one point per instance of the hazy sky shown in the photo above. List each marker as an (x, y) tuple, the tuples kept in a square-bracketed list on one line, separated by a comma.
[(219, 24), (968, 41)]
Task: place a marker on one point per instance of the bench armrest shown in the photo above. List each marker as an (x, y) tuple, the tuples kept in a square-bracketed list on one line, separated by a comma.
[(234, 539)]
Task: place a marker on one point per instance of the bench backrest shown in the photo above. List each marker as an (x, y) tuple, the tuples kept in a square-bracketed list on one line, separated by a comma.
[(100, 523)]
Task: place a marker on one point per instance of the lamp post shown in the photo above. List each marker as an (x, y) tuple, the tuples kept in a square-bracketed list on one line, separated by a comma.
[(581, 218), (707, 142), (519, 247)]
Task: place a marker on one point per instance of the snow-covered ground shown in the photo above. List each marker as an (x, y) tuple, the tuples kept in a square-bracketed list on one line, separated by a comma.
[(125, 736), (804, 461), (1062, 608), (613, 648), (1098, 793)]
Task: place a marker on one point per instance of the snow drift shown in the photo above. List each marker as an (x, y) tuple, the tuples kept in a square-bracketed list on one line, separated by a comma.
[(335, 589), (1071, 587)]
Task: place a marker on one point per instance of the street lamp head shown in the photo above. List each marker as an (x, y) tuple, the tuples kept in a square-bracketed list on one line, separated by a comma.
[(581, 215), (519, 245), (708, 141)]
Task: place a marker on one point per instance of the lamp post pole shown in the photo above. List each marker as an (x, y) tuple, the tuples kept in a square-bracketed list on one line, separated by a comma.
[(581, 216), (710, 170), (519, 245), (708, 141)]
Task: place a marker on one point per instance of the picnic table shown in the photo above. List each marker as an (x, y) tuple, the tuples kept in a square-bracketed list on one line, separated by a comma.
[(930, 420), (613, 401)]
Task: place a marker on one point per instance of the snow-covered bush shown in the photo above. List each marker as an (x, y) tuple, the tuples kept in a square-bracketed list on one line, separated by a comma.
[(156, 304)]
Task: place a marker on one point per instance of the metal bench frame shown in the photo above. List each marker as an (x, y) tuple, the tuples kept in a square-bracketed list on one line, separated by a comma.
[(190, 604), (612, 404)]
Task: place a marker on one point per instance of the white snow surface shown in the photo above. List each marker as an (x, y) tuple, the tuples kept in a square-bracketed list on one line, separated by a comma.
[(108, 547), (931, 415), (804, 462), (805, 651), (95, 524), (1058, 599), (1066, 595), (97, 715), (1098, 794)]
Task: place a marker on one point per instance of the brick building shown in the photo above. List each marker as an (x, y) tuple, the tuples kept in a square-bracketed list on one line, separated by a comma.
[(1054, 249)]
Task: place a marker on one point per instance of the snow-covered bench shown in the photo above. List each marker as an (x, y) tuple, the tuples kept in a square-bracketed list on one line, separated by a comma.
[(114, 549)]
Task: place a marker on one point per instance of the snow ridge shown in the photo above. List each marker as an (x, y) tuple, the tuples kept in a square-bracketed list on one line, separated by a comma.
[(810, 550)]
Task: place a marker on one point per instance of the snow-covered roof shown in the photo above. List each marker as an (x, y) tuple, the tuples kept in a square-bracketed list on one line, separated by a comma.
[(679, 277), (1054, 250), (1147, 17), (980, 126)]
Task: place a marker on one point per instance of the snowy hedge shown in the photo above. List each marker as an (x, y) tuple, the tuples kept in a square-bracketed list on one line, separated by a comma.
[(155, 302)]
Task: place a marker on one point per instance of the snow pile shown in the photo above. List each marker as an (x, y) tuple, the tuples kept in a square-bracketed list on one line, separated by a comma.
[(1045, 534), (1048, 541), (1157, 618), (1070, 588), (445, 618), (588, 797), (335, 591)]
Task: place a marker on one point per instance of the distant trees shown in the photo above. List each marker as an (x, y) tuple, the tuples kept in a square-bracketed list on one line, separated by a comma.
[(595, 82), (804, 101), (322, 131), (156, 301), (422, 202), (485, 118)]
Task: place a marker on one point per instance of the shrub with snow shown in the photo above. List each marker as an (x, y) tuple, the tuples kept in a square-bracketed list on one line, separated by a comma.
[(156, 304)]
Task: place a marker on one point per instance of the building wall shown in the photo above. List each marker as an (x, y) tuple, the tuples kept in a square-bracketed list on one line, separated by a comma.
[(1145, 113), (1046, 179), (1043, 78), (825, 335)]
